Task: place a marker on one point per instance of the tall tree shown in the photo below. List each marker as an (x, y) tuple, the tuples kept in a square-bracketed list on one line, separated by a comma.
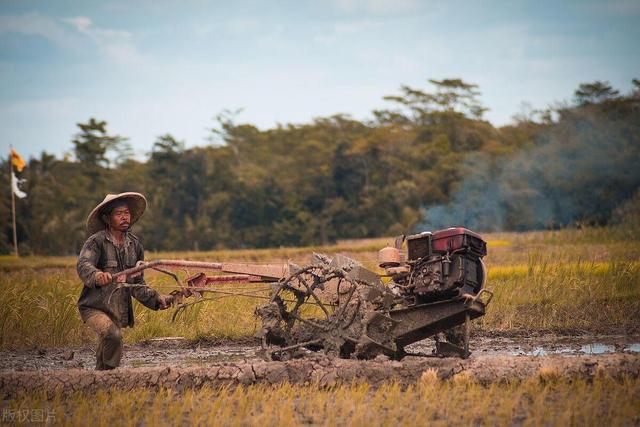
[(595, 92), (93, 144)]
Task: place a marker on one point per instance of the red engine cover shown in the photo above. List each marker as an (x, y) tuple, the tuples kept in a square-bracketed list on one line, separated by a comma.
[(458, 238)]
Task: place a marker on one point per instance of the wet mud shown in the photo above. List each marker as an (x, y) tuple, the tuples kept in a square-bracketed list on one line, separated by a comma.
[(322, 371), (178, 352), (543, 345), (165, 352), (179, 364)]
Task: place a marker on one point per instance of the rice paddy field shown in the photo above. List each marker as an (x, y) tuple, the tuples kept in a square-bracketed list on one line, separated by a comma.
[(566, 282), (604, 401), (571, 280)]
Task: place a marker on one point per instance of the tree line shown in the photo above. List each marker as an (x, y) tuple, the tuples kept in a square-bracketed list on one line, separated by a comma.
[(429, 160)]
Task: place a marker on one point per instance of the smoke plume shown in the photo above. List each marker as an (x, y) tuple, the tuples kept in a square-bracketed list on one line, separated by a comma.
[(579, 170)]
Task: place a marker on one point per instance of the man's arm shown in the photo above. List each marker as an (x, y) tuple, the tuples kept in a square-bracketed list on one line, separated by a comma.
[(87, 263), (147, 296)]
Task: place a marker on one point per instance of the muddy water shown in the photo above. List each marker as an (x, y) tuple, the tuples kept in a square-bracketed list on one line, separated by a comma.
[(177, 352), (545, 345), (153, 353)]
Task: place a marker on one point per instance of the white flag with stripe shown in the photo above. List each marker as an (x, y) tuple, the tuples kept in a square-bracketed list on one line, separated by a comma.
[(14, 185)]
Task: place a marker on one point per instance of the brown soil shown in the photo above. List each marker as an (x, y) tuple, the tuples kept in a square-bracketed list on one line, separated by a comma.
[(320, 370), (177, 363), (178, 352)]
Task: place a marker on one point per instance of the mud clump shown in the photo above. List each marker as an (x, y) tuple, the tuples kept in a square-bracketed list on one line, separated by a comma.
[(320, 371)]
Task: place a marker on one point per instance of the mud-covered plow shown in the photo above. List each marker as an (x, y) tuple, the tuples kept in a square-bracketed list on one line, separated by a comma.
[(434, 288)]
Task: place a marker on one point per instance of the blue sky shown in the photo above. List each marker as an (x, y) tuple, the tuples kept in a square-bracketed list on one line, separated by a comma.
[(152, 67)]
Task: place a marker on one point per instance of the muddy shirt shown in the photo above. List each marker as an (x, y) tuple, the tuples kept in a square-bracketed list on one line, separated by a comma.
[(100, 253)]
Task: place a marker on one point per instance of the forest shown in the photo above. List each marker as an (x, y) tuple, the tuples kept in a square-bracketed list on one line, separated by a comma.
[(428, 161)]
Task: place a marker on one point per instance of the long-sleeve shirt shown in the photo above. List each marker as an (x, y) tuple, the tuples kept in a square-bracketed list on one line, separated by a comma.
[(100, 253)]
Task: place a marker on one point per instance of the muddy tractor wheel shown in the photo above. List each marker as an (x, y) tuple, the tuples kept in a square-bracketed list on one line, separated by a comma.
[(315, 309)]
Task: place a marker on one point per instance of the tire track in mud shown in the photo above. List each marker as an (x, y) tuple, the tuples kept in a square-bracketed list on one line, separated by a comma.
[(320, 371)]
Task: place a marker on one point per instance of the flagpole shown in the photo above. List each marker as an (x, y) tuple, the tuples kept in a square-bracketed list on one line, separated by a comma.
[(13, 208)]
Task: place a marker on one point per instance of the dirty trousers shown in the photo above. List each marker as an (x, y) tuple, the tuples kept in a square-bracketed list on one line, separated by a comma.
[(109, 351)]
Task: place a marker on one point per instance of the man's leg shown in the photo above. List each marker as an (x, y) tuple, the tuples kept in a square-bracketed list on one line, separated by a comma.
[(109, 351)]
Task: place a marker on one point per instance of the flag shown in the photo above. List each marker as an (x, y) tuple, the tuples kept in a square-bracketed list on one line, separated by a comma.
[(14, 185), (17, 161)]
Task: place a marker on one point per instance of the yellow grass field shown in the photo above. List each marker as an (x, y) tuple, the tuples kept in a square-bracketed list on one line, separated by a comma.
[(537, 401), (584, 280)]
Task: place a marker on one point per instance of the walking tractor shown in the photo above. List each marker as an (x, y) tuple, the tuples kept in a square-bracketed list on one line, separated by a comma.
[(434, 288)]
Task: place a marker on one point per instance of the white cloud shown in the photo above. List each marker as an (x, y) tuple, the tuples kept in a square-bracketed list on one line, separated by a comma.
[(36, 24), (116, 45), (81, 23), (84, 25)]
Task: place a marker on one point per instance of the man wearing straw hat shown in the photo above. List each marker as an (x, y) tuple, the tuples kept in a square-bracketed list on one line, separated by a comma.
[(105, 306)]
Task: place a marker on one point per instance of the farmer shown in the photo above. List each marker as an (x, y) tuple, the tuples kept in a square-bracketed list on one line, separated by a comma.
[(105, 306)]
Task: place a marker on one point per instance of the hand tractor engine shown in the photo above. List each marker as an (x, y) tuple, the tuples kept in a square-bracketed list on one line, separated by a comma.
[(438, 266)]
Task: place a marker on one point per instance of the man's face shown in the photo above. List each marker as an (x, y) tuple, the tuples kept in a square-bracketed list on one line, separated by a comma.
[(120, 218)]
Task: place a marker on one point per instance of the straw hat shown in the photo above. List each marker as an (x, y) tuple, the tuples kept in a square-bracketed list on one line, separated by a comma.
[(137, 204)]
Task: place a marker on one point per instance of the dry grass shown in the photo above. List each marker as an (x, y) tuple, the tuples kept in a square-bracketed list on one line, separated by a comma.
[(545, 401), (39, 310), (581, 280), (581, 295)]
